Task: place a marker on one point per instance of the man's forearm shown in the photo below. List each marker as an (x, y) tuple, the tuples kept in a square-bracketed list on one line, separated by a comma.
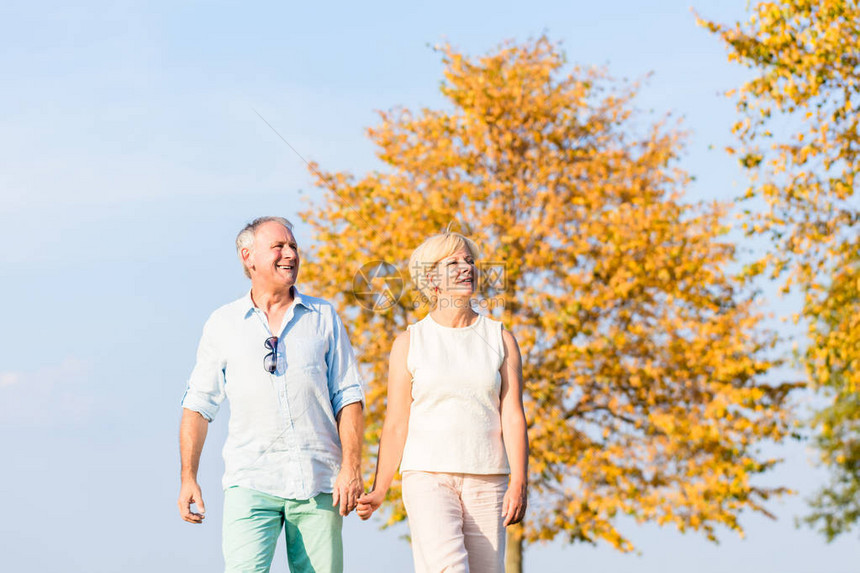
[(192, 435), (350, 429)]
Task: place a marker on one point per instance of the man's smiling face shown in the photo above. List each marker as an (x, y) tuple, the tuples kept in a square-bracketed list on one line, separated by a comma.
[(274, 260)]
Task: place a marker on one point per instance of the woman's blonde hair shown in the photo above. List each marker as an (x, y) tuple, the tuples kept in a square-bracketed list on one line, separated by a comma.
[(428, 254)]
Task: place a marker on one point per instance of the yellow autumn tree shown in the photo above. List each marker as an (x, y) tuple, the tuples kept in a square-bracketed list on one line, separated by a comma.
[(644, 360), (800, 143)]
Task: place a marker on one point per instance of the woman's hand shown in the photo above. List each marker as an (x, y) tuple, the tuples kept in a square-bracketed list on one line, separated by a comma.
[(514, 504), (368, 503)]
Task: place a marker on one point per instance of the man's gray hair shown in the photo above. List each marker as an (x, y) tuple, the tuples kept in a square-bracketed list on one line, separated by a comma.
[(245, 238)]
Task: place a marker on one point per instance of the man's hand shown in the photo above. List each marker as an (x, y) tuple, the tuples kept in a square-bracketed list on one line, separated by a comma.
[(368, 503), (190, 493), (192, 434), (350, 429), (347, 488)]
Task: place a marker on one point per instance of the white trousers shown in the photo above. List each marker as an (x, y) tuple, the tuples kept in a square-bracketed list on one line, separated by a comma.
[(455, 521)]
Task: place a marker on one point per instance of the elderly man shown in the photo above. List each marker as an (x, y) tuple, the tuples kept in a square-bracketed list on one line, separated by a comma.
[(293, 451)]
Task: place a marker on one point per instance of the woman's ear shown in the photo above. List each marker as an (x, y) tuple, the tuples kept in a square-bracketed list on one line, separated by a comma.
[(432, 278)]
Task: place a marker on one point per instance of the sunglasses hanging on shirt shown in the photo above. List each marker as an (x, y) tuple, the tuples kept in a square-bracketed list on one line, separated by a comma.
[(270, 360)]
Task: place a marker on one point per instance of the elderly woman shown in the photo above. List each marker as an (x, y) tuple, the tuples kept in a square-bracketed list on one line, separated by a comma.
[(454, 421)]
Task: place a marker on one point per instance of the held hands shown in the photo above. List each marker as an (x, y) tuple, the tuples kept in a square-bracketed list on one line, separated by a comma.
[(347, 489), (369, 502), (190, 493), (514, 504)]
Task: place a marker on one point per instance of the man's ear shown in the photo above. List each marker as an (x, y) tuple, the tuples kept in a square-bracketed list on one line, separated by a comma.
[(246, 257)]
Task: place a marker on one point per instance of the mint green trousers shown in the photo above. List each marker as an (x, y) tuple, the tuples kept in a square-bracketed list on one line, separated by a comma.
[(253, 523)]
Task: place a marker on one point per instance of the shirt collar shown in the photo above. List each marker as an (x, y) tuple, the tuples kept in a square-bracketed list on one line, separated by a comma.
[(248, 302)]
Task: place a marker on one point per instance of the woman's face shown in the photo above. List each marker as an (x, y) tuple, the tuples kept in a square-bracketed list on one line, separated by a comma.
[(456, 274)]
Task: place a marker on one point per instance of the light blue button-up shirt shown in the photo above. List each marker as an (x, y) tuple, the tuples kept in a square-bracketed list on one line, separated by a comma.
[(282, 437)]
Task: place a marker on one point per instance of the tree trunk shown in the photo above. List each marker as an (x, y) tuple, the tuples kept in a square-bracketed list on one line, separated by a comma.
[(514, 549)]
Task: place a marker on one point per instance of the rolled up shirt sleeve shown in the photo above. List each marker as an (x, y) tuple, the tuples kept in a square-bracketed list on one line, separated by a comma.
[(205, 389), (345, 385)]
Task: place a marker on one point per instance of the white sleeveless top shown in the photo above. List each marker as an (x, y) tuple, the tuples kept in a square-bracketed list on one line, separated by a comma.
[(454, 421)]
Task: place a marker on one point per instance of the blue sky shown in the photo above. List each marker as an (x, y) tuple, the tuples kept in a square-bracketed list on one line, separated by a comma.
[(131, 156)]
